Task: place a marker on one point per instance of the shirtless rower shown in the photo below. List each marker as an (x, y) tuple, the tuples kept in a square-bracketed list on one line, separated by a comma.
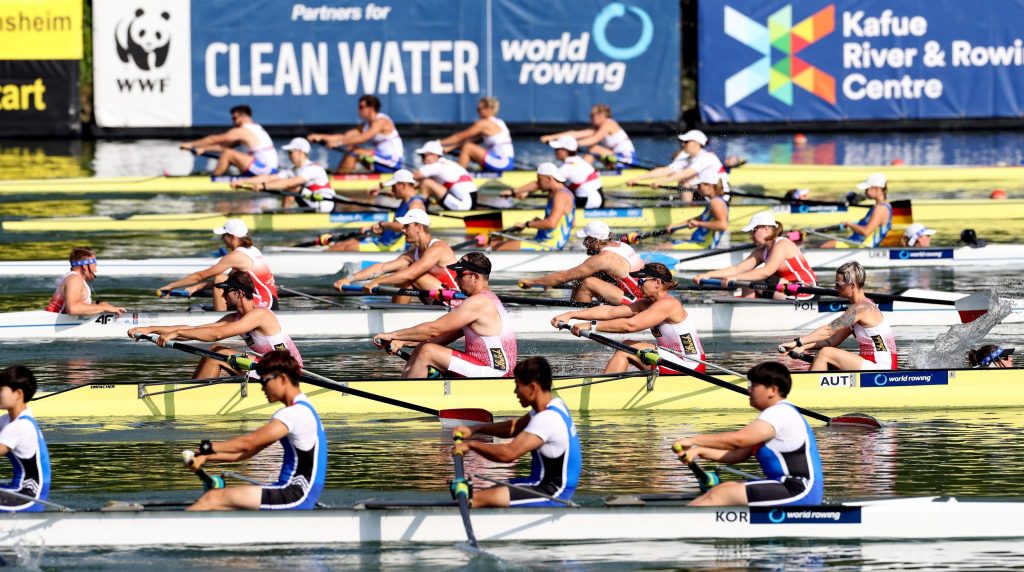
[(73, 295), (871, 230), (258, 327), (491, 347), (242, 255), (387, 236), (555, 229), (608, 142), (692, 160), (862, 319), (657, 310), (424, 266), (306, 178), (614, 258), (445, 181), (494, 152), (547, 432), (376, 128), (260, 157)]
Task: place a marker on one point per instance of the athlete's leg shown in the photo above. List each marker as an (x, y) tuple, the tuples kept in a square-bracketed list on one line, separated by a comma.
[(603, 154), (244, 497), (209, 367), (424, 356), (494, 496), (837, 358), (593, 286), (431, 189), (621, 360), (472, 153), (729, 493)]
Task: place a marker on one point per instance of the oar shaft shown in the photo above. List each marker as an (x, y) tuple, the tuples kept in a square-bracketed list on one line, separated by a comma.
[(522, 489), (26, 498), (792, 288), (311, 297), (460, 487)]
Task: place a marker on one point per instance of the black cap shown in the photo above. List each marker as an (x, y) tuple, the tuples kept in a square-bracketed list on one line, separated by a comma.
[(654, 270), (1007, 352), (235, 284), (473, 262)]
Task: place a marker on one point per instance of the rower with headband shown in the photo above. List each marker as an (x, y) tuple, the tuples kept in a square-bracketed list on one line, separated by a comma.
[(992, 356), (73, 294)]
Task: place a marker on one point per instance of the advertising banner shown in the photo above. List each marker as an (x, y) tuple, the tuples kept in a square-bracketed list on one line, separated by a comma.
[(40, 29), (823, 60), (39, 97)]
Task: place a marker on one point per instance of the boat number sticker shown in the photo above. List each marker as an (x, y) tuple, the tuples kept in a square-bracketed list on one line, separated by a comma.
[(837, 380), (805, 515), (904, 378)]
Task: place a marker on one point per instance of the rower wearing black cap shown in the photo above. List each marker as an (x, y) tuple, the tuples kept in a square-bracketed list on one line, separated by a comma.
[(259, 327), (491, 347), (656, 310), (990, 355)]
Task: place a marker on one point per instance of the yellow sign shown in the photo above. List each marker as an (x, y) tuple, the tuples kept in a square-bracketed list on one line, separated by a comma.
[(40, 29)]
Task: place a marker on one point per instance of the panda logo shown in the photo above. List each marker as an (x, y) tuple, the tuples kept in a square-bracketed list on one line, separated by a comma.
[(144, 39)]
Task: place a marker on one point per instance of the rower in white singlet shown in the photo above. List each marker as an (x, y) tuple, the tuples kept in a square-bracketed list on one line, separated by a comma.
[(447, 182), (377, 129), (494, 152), (608, 142), (73, 294), (260, 156), (491, 347), (306, 178), (685, 168), (580, 176)]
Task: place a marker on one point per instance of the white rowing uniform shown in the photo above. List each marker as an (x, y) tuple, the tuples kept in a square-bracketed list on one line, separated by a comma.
[(262, 343), (304, 467), (456, 180), (790, 461), (58, 303), (445, 275), (316, 186), (629, 285), (30, 462), (703, 162), (877, 345), (500, 153), (264, 155), (487, 356), (388, 147), (556, 465), (682, 338), (262, 278), (620, 144), (583, 181)]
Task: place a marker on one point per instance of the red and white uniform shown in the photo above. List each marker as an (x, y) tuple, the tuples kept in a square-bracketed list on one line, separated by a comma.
[(455, 179), (629, 285), (487, 356), (444, 274), (681, 338), (702, 162), (262, 277), (316, 181), (264, 155), (877, 345), (262, 344), (794, 270), (583, 181), (57, 301)]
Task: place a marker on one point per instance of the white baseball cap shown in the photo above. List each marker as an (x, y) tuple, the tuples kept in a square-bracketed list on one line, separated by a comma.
[(401, 176), (695, 135), (565, 142), (916, 231), (298, 144), (234, 227), (432, 147), (414, 215), (550, 170), (595, 229), (874, 180), (763, 218)]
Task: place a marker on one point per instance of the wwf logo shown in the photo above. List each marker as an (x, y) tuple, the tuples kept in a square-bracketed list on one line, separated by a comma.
[(144, 39)]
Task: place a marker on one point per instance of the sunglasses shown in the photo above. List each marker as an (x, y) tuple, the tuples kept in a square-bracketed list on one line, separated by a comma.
[(268, 378), (840, 285)]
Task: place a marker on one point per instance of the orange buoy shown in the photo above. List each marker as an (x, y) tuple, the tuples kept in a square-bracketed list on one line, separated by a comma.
[(799, 139), (998, 195), (897, 162)]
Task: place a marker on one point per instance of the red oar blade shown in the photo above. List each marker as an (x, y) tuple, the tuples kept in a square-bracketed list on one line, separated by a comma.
[(467, 416), (973, 307), (855, 421)]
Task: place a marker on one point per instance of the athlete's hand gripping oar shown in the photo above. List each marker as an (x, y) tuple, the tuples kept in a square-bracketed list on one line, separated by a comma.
[(705, 479), (327, 239), (462, 490), (636, 237), (480, 240), (406, 355), (188, 457)]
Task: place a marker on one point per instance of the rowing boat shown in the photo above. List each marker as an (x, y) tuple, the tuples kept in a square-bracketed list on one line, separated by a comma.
[(926, 518), (309, 262), (720, 314), (793, 216)]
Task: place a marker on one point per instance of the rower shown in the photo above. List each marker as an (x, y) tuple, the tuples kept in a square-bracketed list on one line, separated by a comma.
[(608, 142), (711, 226), (990, 355), (241, 256), (306, 178), (261, 157), (555, 229), (376, 128), (298, 429), (22, 443), (387, 236), (656, 310), (779, 438), (869, 231), (547, 432), (917, 235), (614, 258), (496, 153), (775, 256), (692, 160), (491, 347), (447, 182), (580, 176), (73, 295), (862, 318), (259, 327), (424, 266)]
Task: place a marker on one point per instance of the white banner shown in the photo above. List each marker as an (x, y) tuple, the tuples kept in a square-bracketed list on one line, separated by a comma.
[(142, 63)]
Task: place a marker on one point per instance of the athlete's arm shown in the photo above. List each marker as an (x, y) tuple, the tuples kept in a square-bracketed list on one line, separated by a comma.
[(508, 452), (467, 313), (652, 174), (227, 263), (563, 204), (602, 312), (646, 319), (377, 270), (376, 126), (835, 331), (782, 251), (878, 218), (592, 265), (281, 184), (577, 134), (755, 433), (505, 429), (469, 133), (75, 305), (244, 446), (223, 328), (719, 218), (596, 135), (228, 138), (730, 457), (522, 191), (430, 257)]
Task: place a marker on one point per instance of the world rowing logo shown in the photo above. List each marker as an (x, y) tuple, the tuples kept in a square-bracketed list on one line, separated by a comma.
[(779, 43), (617, 10)]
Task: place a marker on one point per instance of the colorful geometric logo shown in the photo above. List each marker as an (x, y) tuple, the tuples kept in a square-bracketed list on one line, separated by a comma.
[(779, 43)]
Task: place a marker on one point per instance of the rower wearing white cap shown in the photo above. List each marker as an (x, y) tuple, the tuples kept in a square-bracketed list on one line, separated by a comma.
[(306, 177), (918, 235), (614, 258), (871, 230), (424, 266), (608, 142), (774, 255), (260, 157), (377, 128), (580, 176), (387, 236), (447, 182), (692, 160), (657, 311), (494, 153), (555, 229), (710, 227), (73, 295), (242, 255)]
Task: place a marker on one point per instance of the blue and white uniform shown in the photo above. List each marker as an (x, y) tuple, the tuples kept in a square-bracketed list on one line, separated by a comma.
[(501, 156), (304, 468), (620, 143), (30, 460), (790, 461), (705, 237), (556, 465), (878, 236), (392, 240), (388, 149), (264, 156)]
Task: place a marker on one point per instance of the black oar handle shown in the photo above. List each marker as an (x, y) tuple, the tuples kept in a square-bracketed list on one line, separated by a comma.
[(462, 490), (705, 479)]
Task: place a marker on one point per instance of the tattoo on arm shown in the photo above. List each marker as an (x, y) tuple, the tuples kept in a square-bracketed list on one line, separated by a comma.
[(846, 320)]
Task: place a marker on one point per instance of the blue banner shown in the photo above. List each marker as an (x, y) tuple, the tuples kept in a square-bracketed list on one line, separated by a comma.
[(838, 514), (429, 61), (817, 60), (904, 378)]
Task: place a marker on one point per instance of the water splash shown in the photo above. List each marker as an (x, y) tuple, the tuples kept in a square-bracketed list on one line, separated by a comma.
[(951, 347)]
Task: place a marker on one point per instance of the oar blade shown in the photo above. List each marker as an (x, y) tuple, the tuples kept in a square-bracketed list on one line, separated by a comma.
[(973, 307), (452, 418), (855, 421)]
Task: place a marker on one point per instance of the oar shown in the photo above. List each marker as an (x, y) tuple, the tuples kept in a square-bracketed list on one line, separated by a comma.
[(471, 415), (209, 482), (406, 355), (327, 239), (26, 498), (311, 297), (710, 253), (791, 200), (447, 295), (461, 492), (705, 479), (475, 241), (651, 357), (523, 489), (636, 237)]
